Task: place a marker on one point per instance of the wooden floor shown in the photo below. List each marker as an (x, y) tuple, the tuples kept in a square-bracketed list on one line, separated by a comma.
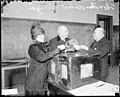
[(113, 78)]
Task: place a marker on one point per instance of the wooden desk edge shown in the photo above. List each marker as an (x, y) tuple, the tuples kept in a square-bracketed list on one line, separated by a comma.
[(63, 88), (10, 61)]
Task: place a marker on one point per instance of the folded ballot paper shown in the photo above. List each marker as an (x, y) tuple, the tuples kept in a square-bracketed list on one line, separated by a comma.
[(61, 47), (10, 91), (99, 88)]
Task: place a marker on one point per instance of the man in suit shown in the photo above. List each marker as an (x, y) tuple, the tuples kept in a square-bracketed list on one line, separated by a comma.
[(60, 39), (103, 46)]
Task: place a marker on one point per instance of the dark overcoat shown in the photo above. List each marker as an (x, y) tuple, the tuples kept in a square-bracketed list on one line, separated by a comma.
[(56, 41), (38, 69), (104, 47)]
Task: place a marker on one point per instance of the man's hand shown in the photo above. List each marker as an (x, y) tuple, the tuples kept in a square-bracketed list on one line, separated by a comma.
[(77, 47)]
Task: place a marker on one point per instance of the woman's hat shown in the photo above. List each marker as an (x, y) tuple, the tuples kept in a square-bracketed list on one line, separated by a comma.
[(36, 30)]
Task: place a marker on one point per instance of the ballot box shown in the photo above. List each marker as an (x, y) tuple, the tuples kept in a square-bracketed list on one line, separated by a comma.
[(75, 69)]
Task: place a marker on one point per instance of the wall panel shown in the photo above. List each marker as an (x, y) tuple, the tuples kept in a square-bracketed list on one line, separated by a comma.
[(16, 34)]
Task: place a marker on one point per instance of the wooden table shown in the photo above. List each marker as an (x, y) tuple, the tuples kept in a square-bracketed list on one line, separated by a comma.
[(99, 88)]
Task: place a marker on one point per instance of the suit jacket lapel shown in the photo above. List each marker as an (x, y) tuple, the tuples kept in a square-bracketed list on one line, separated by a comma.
[(60, 42), (98, 43)]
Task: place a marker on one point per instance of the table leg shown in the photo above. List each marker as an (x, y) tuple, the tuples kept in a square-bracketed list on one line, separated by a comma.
[(3, 84)]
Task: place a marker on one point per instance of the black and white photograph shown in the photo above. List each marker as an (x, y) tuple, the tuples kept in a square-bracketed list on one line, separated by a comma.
[(60, 48)]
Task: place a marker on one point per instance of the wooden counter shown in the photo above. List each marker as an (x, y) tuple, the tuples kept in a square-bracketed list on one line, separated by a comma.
[(12, 64)]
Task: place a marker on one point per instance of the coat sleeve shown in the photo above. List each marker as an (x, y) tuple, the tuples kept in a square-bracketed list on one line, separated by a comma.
[(103, 50), (52, 44), (39, 55)]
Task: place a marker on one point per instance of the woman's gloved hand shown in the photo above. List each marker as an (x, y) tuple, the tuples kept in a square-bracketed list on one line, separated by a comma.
[(54, 52)]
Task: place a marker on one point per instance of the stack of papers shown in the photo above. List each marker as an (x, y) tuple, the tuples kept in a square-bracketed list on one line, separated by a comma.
[(99, 88)]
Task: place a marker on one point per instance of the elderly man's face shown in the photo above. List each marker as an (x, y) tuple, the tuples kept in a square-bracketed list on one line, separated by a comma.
[(63, 32), (97, 34)]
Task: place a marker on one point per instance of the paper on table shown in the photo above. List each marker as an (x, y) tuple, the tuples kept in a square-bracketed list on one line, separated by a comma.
[(99, 88), (9, 91)]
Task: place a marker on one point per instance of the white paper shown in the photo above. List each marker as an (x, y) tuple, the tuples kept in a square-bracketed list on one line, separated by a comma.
[(9, 91), (82, 71), (64, 71), (86, 70), (91, 70), (99, 88), (53, 67), (61, 47), (77, 47)]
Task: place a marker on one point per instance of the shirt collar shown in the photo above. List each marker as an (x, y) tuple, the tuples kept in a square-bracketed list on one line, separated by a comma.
[(100, 38)]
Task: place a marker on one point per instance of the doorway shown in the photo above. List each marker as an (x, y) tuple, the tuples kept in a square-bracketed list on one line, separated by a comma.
[(106, 22)]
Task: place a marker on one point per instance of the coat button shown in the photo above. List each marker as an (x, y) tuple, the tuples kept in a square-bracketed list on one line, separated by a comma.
[(95, 49)]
